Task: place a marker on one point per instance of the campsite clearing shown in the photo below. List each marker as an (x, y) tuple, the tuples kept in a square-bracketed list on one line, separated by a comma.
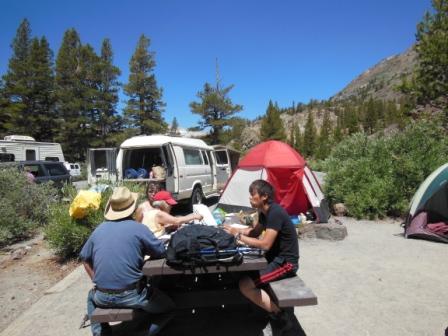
[(375, 282)]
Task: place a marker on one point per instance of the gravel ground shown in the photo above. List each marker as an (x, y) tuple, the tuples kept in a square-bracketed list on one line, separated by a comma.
[(375, 282)]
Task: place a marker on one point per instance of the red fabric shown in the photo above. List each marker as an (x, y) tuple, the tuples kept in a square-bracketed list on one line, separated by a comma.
[(289, 192), (272, 154), (285, 172), (440, 228)]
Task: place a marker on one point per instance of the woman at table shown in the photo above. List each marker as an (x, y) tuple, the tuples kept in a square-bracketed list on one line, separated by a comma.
[(152, 188), (282, 250), (158, 218)]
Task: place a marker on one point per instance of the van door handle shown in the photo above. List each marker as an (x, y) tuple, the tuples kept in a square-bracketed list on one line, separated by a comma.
[(181, 176)]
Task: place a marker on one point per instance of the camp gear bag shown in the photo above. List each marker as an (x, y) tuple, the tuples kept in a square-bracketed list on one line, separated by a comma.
[(200, 246)]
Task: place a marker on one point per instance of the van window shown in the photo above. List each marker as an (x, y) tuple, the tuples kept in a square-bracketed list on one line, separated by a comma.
[(192, 156), (221, 157), (52, 158), (7, 157), (204, 156), (143, 158), (30, 155), (36, 170), (55, 169), (99, 158)]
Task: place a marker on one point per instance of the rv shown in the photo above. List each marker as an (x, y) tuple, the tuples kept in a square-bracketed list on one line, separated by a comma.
[(26, 148), (188, 168)]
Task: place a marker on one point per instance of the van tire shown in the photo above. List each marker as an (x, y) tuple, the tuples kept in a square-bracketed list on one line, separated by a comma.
[(196, 196)]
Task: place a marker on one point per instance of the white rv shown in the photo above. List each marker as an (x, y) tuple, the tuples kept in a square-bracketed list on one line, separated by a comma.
[(186, 167), (26, 148)]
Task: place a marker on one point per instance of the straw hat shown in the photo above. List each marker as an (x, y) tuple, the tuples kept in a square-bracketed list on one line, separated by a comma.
[(121, 204)]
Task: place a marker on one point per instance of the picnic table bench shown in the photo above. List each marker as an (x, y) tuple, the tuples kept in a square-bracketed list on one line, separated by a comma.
[(288, 292)]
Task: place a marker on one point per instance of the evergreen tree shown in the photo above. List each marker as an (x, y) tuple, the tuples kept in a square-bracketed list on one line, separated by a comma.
[(106, 104), (145, 106), (370, 116), (272, 125), (5, 125), (298, 140), (174, 129), (70, 97), (41, 83), (431, 79), (310, 137), (324, 144), (216, 110), (292, 134), (16, 89)]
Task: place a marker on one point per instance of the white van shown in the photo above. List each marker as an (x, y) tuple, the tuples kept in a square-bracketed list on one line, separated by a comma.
[(73, 168), (26, 148), (185, 167)]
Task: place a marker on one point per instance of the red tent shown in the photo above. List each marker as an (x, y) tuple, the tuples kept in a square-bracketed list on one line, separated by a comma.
[(296, 187)]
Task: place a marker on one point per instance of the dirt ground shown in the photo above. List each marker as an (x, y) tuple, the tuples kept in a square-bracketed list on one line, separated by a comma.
[(24, 280)]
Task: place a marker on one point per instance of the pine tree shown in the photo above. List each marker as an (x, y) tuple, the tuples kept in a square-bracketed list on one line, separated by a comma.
[(5, 125), (16, 89), (70, 95), (292, 134), (431, 79), (108, 86), (324, 137), (310, 136), (298, 140), (272, 125), (145, 106), (41, 81), (370, 116), (216, 110), (174, 129)]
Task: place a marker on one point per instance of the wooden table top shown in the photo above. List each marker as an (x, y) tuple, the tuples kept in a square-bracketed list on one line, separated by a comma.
[(159, 267)]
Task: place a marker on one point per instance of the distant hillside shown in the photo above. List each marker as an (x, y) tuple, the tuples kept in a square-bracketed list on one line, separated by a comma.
[(381, 80), (378, 82)]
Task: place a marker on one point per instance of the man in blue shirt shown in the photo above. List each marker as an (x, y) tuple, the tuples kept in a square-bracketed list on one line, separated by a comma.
[(113, 257)]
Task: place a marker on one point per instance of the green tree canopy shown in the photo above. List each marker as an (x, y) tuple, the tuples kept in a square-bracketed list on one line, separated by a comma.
[(16, 89), (216, 109), (431, 79), (271, 125), (174, 129), (310, 136), (145, 106)]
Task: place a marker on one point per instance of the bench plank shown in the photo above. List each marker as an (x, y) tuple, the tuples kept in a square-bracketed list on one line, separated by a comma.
[(292, 292)]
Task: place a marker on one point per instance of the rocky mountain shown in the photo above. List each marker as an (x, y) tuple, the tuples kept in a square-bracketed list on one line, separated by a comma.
[(381, 80), (378, 82)]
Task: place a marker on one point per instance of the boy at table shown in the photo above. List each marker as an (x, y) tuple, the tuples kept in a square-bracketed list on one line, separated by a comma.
[(113, 258), (281, 245)]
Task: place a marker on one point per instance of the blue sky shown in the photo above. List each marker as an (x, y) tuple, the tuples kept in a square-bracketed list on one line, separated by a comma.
[(281, 50)]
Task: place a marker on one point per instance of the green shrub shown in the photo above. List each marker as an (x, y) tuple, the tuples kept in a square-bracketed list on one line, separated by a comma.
[(376, 177), (67, 235), (24, 206)]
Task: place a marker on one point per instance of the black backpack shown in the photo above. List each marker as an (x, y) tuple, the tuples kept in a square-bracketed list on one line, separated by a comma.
[(200, 246)]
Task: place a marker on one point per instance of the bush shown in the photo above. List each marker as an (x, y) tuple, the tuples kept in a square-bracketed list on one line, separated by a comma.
[(24, 206), (67, 235), (376, 177)]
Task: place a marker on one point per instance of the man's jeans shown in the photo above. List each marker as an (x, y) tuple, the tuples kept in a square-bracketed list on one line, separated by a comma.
[(156, 303)]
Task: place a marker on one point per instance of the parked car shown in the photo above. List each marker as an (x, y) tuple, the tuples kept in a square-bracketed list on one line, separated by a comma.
[(73, 168), (43, 171)]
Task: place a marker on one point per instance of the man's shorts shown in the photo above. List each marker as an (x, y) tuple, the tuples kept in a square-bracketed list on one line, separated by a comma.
[(276, 270)]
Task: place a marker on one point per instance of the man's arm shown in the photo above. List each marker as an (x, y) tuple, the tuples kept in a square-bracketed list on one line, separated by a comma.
[(89, 269)]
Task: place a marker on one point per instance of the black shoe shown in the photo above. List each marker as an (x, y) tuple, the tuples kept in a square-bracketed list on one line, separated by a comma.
[(280, 323)]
